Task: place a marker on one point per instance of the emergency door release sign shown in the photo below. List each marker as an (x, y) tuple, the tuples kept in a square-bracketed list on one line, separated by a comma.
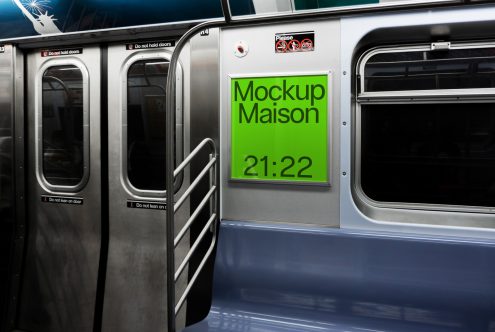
[(292, 42)]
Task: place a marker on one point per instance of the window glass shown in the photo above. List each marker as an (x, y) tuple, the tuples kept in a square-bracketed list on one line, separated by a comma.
[(427, 70), (63, 125), (146, 102), (429, 153)]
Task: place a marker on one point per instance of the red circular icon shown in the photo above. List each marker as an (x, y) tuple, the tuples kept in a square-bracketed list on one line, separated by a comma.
[(281, 46), (307, 44), (294, 45)]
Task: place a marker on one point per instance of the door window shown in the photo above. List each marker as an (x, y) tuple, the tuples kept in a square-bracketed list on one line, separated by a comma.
[(62, 130), (146, 103)]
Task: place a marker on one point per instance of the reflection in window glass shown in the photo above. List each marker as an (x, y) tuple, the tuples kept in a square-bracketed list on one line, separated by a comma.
[(433, 153), (427, 70), (146, 84), (63, 125)]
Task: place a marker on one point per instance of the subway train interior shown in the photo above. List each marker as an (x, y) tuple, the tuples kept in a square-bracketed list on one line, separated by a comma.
[(247, 165)]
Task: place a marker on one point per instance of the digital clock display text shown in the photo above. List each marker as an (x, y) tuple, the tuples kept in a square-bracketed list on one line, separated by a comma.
[(279, 128)]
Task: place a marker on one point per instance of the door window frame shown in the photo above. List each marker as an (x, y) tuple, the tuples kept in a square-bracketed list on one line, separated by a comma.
[(39, 123), (408, 212), (128, 62)]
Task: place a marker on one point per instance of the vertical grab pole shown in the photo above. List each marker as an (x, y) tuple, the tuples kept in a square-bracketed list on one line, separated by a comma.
[(170, 167), (169, 181)]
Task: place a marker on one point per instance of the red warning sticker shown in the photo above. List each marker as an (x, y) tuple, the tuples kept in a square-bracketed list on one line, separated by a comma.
[(291, 42), (60, 52)]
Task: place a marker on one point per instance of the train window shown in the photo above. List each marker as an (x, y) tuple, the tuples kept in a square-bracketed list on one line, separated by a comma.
[(62, 125), (428, 70), (429, 153), (146, 83), (419, 141)]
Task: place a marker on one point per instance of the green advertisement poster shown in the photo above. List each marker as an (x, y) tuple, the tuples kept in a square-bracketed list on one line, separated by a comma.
[(279, 128)]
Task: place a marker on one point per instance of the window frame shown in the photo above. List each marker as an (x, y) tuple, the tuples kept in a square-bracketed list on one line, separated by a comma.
[(417, 95), (39, 124), (407, 212), (128, 62)]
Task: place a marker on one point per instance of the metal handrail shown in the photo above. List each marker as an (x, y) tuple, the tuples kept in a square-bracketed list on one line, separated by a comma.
[(182, 266), (196, 212), (194, 184), (194, 277), (210, 169), (193, 154)]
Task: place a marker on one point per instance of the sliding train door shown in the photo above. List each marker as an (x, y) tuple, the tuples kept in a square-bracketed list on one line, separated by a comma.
[(135, 286), (64, 190)]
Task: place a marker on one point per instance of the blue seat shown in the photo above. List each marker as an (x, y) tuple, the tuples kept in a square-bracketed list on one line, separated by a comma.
[(273, 278)]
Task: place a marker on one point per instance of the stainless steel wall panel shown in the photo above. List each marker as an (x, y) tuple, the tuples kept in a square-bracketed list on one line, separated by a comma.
[(205, 92), (281, 202)]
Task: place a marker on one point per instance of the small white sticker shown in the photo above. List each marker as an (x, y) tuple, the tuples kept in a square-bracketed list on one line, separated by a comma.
[(241, 49)]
